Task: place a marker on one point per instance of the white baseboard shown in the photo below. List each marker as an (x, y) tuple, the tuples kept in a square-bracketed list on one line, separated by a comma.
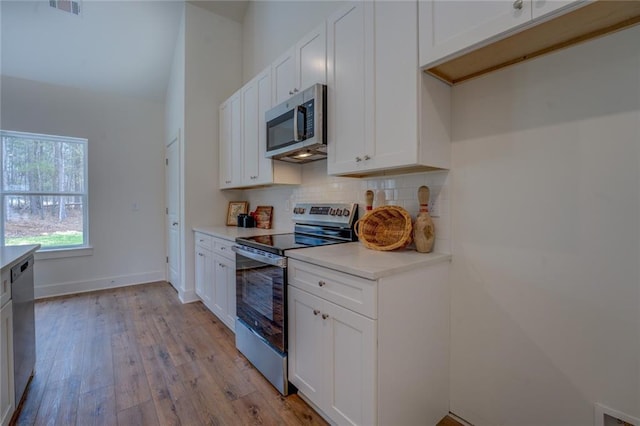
[(62, 289), (188, 296)]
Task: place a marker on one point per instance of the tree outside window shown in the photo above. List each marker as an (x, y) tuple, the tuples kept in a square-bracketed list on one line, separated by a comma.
[(44, 190)]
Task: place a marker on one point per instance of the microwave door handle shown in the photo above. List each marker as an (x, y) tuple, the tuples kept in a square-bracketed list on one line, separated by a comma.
[(296, 135)]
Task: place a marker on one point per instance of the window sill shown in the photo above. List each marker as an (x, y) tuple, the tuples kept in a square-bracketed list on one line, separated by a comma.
[(64, 253)]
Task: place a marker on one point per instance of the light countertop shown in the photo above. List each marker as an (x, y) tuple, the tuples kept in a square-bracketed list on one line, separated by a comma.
[(11, 255), (355, 259), (232, 232)]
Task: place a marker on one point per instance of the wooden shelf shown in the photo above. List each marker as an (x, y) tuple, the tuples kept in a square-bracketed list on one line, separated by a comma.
[(592, 20)]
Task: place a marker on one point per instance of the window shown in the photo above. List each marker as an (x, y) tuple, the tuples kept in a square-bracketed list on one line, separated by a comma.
[(43, 190)]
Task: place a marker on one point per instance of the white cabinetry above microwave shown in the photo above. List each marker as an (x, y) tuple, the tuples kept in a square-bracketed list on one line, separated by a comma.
[(383, 114), (243, 139), (301, 66)]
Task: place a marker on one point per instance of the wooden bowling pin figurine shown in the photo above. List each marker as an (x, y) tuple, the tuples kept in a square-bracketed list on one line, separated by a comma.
[(369, 199), (423, 230)]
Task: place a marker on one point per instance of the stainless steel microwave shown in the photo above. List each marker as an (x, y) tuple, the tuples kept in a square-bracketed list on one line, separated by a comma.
[(296, 129)]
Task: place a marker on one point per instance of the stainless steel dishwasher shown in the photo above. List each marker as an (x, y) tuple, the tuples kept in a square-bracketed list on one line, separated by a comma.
[(24, 330)]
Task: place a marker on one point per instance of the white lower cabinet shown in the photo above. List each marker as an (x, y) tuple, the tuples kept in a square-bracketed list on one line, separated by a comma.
[(332, 357), (384, 359), (7, 397), (215, 277)]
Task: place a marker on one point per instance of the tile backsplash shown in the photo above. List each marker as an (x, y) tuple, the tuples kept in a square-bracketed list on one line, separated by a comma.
[(400, 190)]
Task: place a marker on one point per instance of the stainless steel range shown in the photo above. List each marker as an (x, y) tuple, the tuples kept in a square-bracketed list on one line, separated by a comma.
[(261, 282)]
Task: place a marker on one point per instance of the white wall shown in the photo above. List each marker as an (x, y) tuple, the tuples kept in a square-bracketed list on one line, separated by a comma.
[(213, 59), (546, 213), (125, 167)]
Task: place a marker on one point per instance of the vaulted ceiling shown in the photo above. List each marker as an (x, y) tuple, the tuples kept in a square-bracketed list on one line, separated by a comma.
[(123, 47)]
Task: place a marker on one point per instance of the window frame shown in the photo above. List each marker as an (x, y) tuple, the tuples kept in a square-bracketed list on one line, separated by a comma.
[(85, 194)]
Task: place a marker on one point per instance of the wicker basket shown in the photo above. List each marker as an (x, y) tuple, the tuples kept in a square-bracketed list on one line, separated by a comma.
[(385, 228)]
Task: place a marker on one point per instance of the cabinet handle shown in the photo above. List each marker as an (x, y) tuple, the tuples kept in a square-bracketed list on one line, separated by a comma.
[(290, 92), (358, 159), (295, 90), (200, 254), (221, 265), (227, 181), (321, 283), (325, 316), (366, 157), (223, 248), (316, 312), (517, 4)]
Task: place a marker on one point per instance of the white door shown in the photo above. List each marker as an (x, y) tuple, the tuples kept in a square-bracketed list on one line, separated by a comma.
[(306, 351), (311, 54), (172, 188), (350, 86), (219, 296), (7, 401), (284, 77), (350, 366), (447, 27)]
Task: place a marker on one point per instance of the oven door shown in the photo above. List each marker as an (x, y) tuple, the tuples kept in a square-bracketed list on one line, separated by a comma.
[(260, 293)]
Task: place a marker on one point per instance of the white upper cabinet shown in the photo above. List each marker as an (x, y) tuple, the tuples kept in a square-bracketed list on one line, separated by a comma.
[(243, 141), (311, 58), (301, 66), (383, 113), (349, 86), (448, 27), (230, 141), (284, 76), (256, 100)]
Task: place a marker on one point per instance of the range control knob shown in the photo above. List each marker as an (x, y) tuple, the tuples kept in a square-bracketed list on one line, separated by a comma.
[(295, 210), (346, 212), (332, 212), (301, 210), (339, 212)]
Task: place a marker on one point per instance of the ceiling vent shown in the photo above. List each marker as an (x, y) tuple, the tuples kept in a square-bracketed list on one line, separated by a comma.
[(69, 6)]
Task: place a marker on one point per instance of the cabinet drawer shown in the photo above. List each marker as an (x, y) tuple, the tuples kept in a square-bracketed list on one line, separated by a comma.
[(356, 294), (203, 240), (223, 248), (5, 287)]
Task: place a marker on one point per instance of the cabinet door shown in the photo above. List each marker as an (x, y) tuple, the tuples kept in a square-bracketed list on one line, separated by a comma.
[(305, 343), (219, 297), (284, 76), (204, 277), (256, 98), (230, 141), (396, 86), (447, 27), (311, 58), (350, 86), (7, 397), (350, 366), (543, 7), (230, 270)]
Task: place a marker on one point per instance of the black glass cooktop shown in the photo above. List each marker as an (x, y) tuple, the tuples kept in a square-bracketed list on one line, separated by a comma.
[(278, 243)]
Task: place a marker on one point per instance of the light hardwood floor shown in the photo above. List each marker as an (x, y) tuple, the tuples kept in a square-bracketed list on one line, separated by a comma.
[(137, 356)]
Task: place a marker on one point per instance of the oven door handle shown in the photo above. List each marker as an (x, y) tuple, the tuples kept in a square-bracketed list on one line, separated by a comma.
[(279, 261)]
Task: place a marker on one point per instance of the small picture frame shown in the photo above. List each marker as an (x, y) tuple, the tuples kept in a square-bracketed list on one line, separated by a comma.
[(263, 217), (235, 208)]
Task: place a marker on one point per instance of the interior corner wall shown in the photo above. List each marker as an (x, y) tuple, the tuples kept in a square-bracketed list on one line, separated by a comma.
[(213, 67), (546, 238), (124, 156)]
